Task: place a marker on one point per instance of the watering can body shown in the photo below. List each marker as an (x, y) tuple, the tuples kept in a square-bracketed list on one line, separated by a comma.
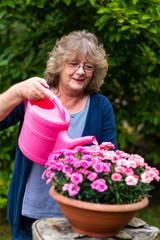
[(44, 130)]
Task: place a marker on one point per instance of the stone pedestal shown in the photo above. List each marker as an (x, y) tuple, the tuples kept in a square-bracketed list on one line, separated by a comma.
[(59, 229)]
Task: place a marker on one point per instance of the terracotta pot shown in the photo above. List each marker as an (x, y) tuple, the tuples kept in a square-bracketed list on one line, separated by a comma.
[(96, 220)]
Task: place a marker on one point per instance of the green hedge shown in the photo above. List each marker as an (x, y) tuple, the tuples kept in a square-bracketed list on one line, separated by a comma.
[(130, 33)]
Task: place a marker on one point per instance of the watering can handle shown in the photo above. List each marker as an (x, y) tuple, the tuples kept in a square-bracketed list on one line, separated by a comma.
[(59, 105)]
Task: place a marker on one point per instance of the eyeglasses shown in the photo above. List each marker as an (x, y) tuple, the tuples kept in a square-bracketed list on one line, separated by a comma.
[(86, 67)]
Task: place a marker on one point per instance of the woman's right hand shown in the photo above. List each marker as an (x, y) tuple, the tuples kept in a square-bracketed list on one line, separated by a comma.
[(33, 88)]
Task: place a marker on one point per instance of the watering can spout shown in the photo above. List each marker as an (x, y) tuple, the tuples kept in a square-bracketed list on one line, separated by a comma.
[(63, 141)]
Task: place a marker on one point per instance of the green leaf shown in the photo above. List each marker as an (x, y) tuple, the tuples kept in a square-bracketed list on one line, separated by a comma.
[(145, 17), (156, 120), (2, 13), (120, 20), (132, 12), (111, 28), (113, 4), (92, 2), (133, 21), (14, 73), (67, 2), (151, 68), (118, 36), (3, 62), (2, 27), (118, 10), (135, 2), (40, 4), (104, 18), (125, 27), (10, 3), (152, 29), (111, 37), (103, 10)]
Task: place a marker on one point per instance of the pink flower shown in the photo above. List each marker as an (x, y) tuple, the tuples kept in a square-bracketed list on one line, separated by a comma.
[(51, 164), (84, 171), (131, 164), (155, 170), (107, 145), (73, 189), (137, 177), (146, 177), (122, 154), (65, 187), (79, 149), (128, 171), (131, 180), (50, 176), (86, 157), (54, 155), (154, 173), (110, 155), (85, 163), (116, 177), (121, 162), (138, 159), (99, 185), (67, 169), (95, 159), (98, 167), (46, 173), (106, 167), (93, 148), (59, 166), (120, 169), (92, 176), (70, 159), (77, 164), (49, 180), (67, 152), (76, 178)]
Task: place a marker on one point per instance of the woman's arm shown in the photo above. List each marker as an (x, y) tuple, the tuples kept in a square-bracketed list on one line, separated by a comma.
[(32, 88)]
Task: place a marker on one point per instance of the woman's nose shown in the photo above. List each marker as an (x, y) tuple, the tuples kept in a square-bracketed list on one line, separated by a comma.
[(81, 70)]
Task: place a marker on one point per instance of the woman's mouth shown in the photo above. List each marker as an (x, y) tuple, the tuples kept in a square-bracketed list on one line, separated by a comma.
[(78, 80)]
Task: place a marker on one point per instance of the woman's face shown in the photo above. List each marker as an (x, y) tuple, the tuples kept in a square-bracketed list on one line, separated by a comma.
[(76, 74)]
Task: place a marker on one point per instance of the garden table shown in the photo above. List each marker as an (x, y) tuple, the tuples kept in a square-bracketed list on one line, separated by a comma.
[(59, 229)]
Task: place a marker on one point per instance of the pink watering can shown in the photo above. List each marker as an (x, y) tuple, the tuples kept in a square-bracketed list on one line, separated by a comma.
[(45, 130)]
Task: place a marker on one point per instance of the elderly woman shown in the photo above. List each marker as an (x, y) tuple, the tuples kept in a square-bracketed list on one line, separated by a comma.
[(75, 71)]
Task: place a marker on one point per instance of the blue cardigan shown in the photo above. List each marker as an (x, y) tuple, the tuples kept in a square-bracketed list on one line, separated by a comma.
[(100, 123)]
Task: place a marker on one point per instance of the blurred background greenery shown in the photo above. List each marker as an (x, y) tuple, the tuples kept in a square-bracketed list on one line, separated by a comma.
[(130, 32)]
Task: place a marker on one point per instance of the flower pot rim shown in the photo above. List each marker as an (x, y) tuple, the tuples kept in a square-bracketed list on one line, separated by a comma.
[(98, 206)]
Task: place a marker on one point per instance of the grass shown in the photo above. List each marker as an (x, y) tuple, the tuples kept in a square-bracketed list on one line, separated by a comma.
[(151, 215), (5, 231)]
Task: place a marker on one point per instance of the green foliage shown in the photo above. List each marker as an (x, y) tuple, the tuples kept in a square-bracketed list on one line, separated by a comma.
[(7, 143), (151, 216), (129, 31)]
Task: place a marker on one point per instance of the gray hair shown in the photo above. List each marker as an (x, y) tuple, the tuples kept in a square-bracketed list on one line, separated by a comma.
[(70, 46)]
